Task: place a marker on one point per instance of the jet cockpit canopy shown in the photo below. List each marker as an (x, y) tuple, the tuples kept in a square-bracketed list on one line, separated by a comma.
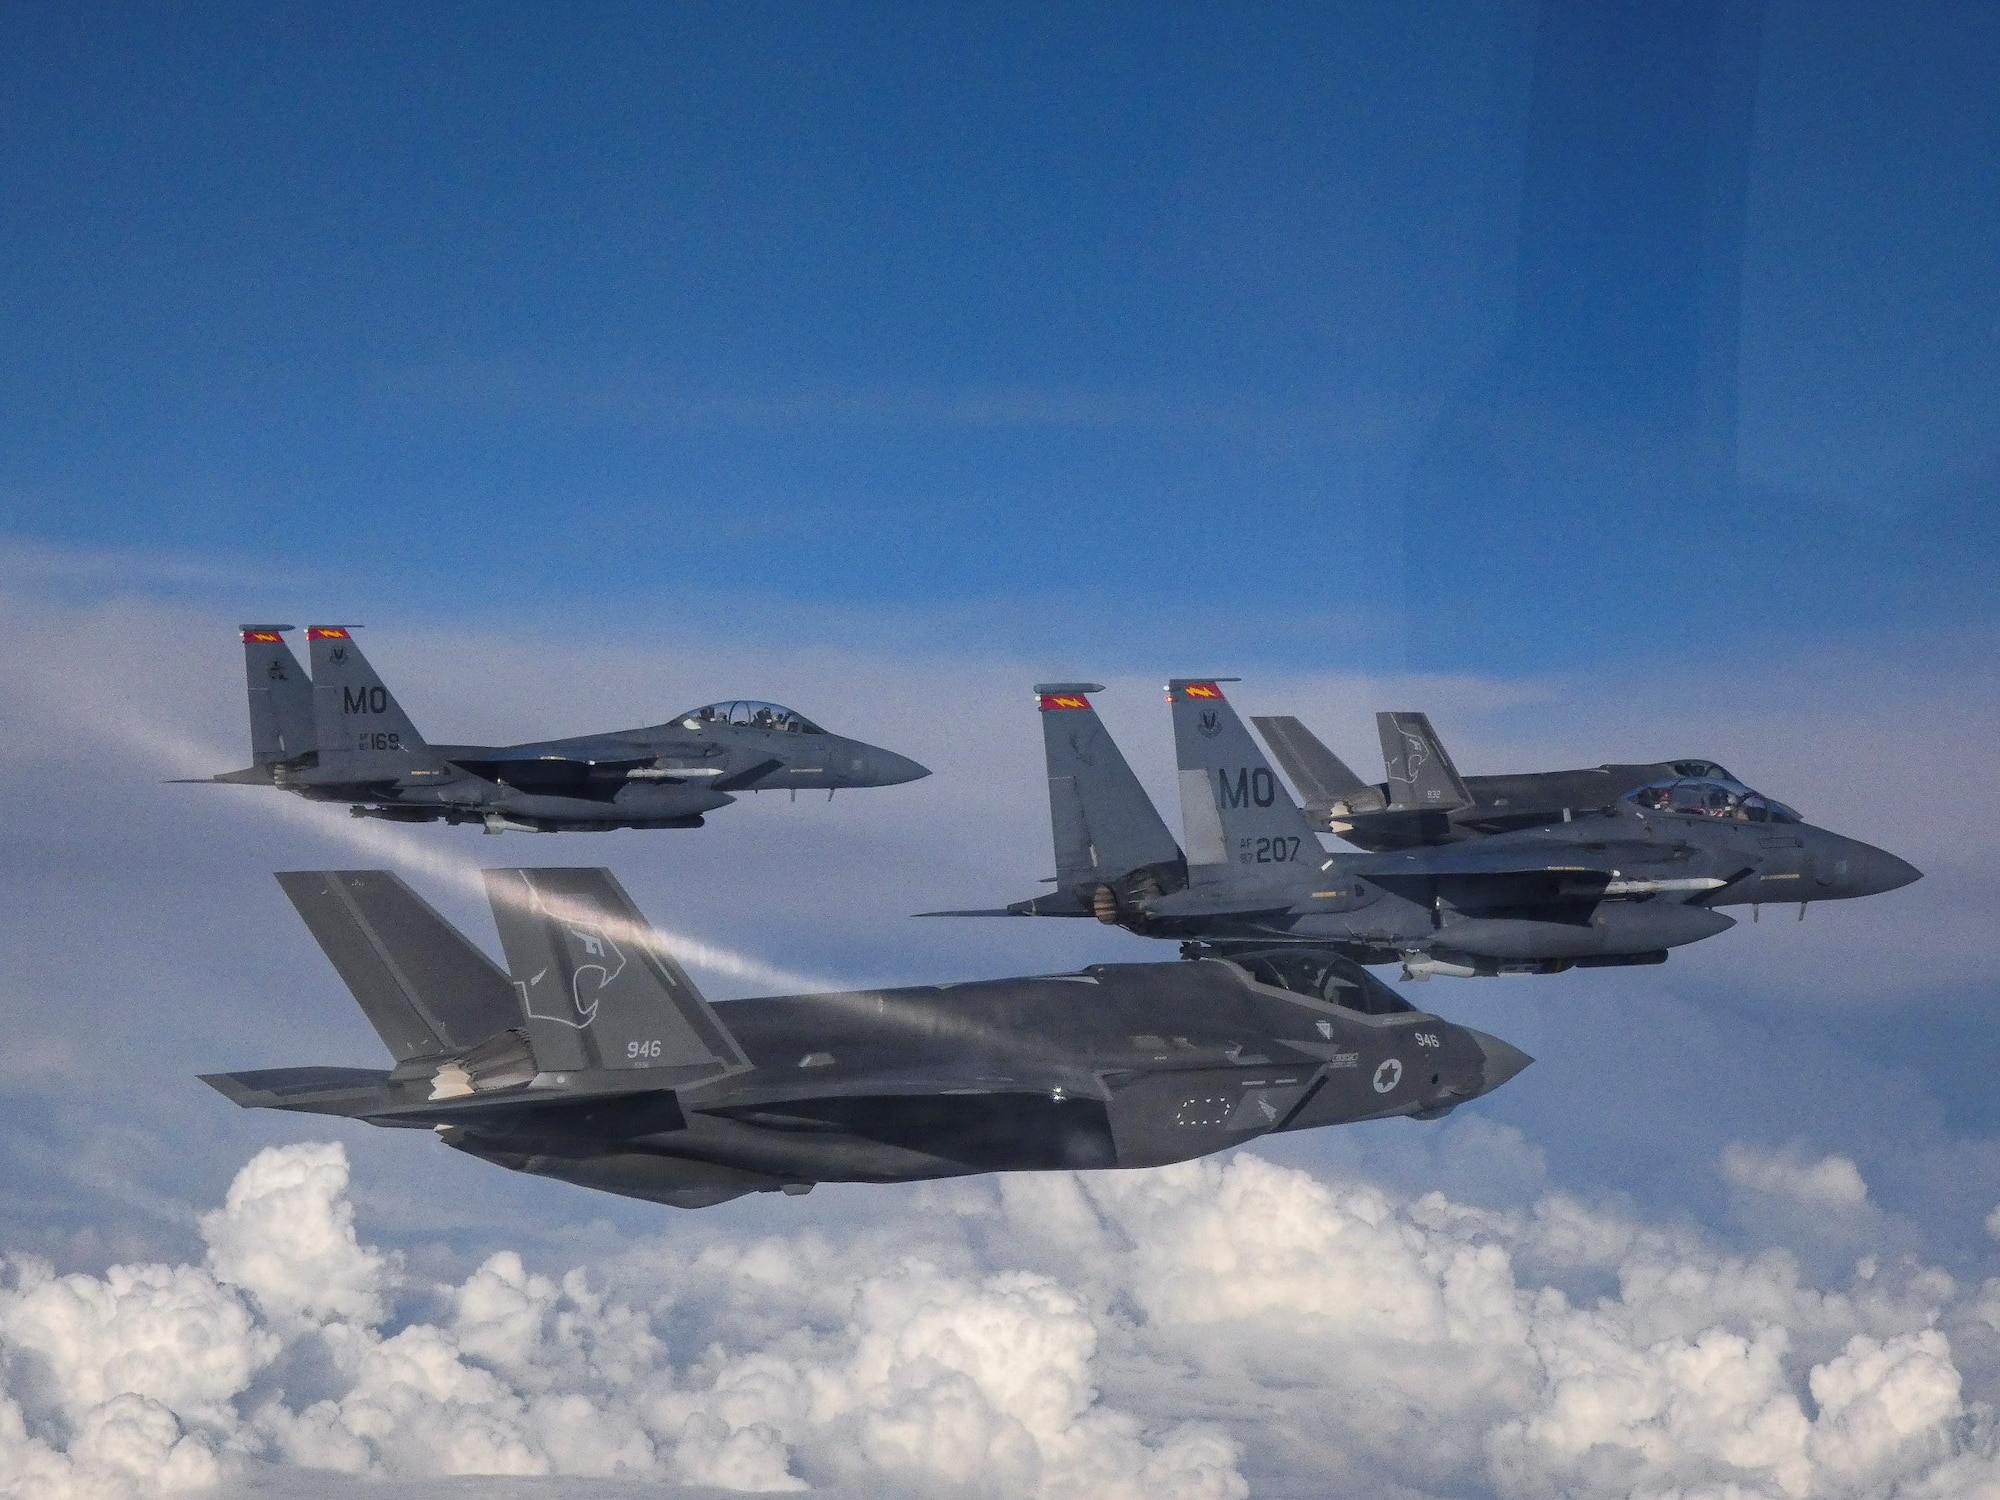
[(1711, 796), (1324, 976), (750, 713), (1706, 768)]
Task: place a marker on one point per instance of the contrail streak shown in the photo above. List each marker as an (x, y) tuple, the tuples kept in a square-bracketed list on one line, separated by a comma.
[(385, 841), (166, 747), (90, 705)]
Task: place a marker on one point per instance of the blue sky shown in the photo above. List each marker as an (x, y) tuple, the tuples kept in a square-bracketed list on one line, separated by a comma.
[(1611, 381), (1064, 309)]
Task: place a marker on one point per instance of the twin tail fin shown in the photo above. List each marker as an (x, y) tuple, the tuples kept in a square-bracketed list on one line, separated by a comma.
[(590, 996)]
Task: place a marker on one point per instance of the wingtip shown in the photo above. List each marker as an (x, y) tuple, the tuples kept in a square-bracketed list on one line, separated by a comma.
[(234, 1089)]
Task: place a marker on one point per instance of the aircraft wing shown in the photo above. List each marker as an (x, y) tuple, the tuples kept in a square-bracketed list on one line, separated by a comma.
[(567, 768)]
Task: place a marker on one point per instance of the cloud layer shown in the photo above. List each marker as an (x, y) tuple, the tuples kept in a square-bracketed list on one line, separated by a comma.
[(1311, 1312), (1196, 1331)]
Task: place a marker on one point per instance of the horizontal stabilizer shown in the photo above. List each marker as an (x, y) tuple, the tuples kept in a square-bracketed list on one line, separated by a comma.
[(318, 1091), (1063, 903), (248, 776)]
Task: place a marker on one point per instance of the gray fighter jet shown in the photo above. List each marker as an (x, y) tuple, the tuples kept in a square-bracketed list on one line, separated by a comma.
[(594, 1059), (1613, 885), (1424, 800), (340, 736)]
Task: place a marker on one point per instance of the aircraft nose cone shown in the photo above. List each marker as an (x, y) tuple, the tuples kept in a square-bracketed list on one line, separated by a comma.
[(892, 769), (1877, 870), (1503, 1059)]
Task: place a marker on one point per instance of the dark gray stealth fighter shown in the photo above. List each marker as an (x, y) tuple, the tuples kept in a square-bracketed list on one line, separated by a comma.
[(593, 1058), (340, 736), (1423, 800), (1604, 886)]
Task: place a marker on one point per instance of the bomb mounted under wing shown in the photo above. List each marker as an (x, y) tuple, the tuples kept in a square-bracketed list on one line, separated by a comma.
[(593, 1058), (341, 736), (1611, 887)]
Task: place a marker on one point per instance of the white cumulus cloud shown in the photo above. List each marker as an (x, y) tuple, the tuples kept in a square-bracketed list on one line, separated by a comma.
[(1832, 1182), (1197, 1331)]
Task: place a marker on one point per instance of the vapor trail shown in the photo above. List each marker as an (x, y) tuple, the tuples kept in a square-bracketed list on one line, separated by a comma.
[(386, 841), (169, 749)]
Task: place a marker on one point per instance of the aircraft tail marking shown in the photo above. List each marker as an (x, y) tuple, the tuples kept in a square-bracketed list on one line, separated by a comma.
[(1421, 775), (1244, 831), (427, 991), (596, 985), (361, 730)]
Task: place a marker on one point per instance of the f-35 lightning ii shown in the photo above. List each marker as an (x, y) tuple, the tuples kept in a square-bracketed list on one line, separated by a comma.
[(1606, 886), (594, 1059), (340, 736), (1424, 800)]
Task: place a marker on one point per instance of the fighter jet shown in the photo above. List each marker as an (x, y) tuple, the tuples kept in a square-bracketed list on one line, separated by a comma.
[(1598, 887), (593, 1058), (1424, 800), (340, 736)]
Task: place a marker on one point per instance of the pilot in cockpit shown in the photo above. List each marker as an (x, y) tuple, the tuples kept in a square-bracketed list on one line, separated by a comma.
[(1702, 796), (748, 714)]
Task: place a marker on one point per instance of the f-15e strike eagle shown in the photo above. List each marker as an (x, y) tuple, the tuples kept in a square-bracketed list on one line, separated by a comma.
[(594, 1059), (1614, 881), (340, 736)]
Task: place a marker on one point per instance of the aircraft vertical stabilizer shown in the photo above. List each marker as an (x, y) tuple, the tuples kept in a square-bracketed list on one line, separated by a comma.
[(1421, 775), (425, 989), (1106, 827), (598, 987), (1244, 832), (363, 733), (281, 706), (1322, 777)]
